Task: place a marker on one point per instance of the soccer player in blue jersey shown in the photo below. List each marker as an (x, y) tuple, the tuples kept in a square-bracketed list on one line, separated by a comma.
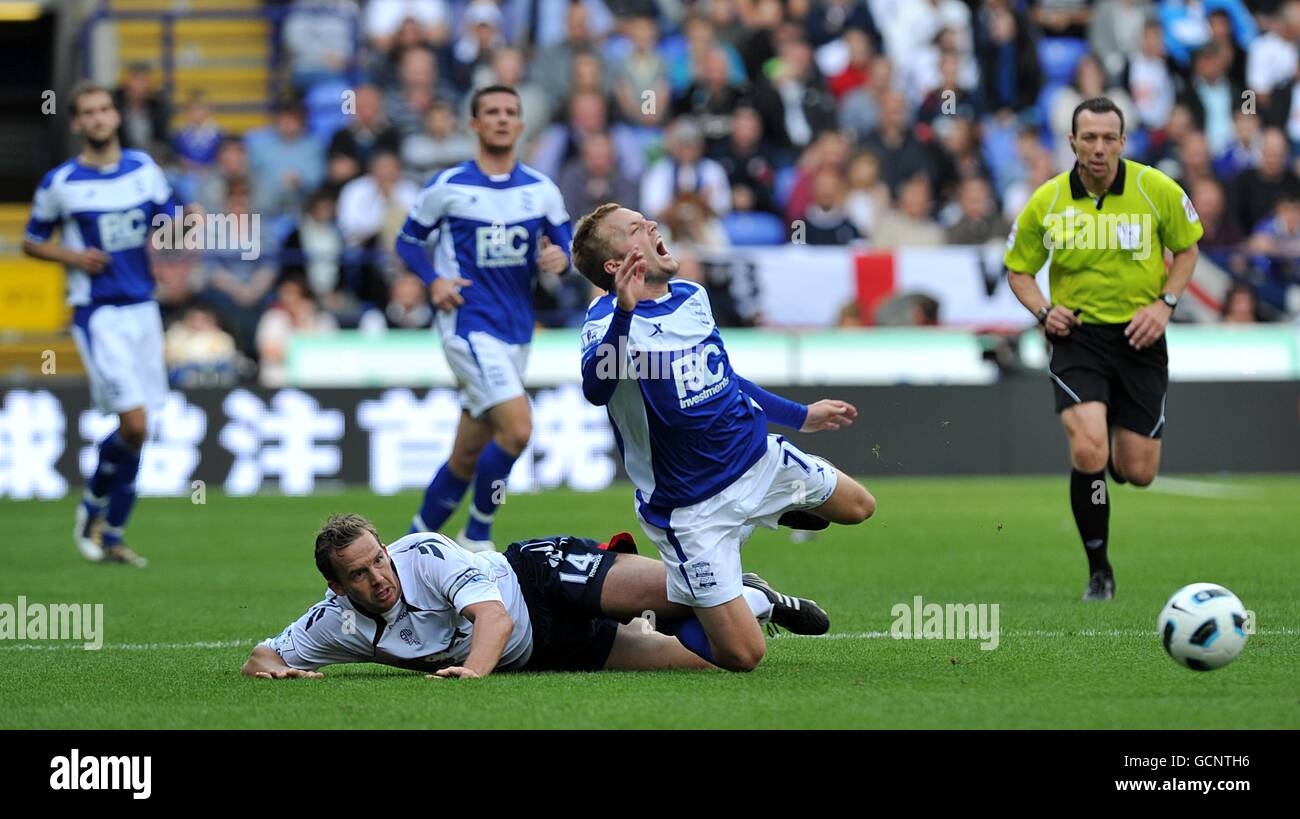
[(104, 201), (693, 436), (495, 224)]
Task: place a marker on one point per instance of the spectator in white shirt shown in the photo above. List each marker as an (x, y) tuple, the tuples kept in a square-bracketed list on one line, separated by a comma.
[(1149, 80), (1271, 59), (372, 204), (385, 17), (685, 169)]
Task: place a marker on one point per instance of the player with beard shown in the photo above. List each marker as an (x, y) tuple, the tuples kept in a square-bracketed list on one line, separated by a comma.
[(105, 201)]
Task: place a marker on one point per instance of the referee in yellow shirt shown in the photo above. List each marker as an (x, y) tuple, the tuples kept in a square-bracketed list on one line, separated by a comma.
[(1106, 225)]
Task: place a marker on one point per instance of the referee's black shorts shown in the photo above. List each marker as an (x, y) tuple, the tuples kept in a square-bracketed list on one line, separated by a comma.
[(1095, 363)]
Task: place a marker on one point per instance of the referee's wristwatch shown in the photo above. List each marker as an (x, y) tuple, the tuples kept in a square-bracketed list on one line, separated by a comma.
[(1170, 299), (1043, 313)]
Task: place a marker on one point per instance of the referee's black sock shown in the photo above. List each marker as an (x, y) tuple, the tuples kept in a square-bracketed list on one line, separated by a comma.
[(1091, 504)]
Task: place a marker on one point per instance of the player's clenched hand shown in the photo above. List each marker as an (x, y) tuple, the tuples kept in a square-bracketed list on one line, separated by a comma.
[(1060, 320), (628, 279), (289, 674), (829, 413), (445, 292), (457, 671), (552, 258), (1148, 325), (92, 260)]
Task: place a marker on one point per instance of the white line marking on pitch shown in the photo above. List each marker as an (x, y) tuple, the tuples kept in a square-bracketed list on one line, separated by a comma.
[(1197, 489), (840, 635), (129, 646), (1132, 632)]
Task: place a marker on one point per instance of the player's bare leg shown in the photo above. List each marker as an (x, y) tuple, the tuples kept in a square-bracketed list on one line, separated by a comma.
[(448, 486), (1135, 457), (735, 639), (511, 422), (1086, 428), (638, 647), (850, 503), (472, 434), (635, 585)]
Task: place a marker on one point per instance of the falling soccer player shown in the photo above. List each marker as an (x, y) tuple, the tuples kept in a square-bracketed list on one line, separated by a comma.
[(693, 436)]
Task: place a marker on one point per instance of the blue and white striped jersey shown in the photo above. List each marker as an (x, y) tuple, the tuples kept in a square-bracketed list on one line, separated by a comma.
[(111, 208), (488, 230), (685, 423)]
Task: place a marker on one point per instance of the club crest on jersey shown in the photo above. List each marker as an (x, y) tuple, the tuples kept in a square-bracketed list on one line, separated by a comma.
[(501, 245), (408, 637)]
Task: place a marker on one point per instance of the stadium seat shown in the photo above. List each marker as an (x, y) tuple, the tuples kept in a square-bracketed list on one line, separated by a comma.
[(324, 114), (783, 185), (1058, 56), (754, 228)]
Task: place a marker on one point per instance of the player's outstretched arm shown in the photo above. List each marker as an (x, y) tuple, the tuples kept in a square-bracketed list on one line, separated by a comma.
[(492, 628), (785, 412), (829, 413), (265, 663)]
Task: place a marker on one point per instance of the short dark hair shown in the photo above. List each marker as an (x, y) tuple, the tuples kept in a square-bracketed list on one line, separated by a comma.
[(1097, 105), (591, 247), (492, 89), (84, 89), (336, 534)]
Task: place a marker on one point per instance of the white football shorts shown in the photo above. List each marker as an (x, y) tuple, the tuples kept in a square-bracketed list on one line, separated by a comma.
[(488, 370), (122, 349), (700, 544)]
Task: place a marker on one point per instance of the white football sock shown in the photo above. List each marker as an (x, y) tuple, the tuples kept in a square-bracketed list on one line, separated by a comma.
[(758, 603)]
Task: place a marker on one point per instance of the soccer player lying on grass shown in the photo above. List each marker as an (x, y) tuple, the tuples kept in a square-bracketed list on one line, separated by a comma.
[(557, 604), (693, 433)]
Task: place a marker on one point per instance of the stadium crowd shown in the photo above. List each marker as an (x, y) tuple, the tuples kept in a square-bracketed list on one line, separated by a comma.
[(734, 122)]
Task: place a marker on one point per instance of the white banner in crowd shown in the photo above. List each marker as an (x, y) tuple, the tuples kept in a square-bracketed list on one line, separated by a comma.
[(806, 286)]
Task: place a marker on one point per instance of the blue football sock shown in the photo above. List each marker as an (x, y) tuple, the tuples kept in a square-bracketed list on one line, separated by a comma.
[(121, 498), (112, 451), (690, 633), (440, 499), (489, 490)]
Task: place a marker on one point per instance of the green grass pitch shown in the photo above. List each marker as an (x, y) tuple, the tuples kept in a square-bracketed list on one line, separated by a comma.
[(235, 570)]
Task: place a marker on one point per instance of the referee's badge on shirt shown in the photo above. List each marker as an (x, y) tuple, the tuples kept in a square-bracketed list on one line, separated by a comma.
[(1128, 235)]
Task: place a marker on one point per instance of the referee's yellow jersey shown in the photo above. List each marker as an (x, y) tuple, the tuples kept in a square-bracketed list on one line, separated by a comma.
[(1107, 255)]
